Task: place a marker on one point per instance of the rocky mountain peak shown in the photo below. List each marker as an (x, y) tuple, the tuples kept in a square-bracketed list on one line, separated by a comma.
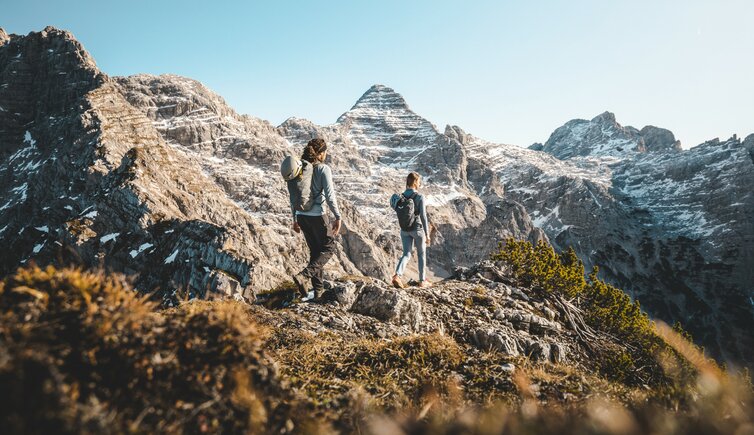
[(605, 117), (381, 97), (382, 117), (49, 65), (457, 133), (603, 136), (172, 96), (58, 42)]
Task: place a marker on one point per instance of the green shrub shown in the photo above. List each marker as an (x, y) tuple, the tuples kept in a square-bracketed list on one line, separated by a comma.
[(607, 309), (540, 268)]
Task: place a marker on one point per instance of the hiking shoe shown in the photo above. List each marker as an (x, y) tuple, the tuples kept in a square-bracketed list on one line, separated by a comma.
[(302, 284), (397, 283), (318, 293), (425, 284)]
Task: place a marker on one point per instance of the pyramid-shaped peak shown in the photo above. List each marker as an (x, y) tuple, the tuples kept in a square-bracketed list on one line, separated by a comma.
[(381, 97), (605, 116)]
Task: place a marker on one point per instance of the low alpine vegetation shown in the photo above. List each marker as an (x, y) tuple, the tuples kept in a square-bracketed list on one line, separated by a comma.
[(606, 309)]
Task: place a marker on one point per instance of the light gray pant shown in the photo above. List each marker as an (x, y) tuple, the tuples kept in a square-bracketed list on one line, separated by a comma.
[(408, 239)]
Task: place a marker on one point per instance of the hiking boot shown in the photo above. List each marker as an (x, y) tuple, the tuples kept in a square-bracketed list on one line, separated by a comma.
[(302, 284), (397, 282), (318, 293), (425, 284)]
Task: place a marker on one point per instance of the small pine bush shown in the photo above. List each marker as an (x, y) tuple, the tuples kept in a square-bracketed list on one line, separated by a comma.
[(540, 268), (607, 309)]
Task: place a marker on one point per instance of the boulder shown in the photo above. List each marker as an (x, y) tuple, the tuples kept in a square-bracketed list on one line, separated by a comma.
[(388, 305), (539, 351), (487, 339), (342, 293), (224, 286)]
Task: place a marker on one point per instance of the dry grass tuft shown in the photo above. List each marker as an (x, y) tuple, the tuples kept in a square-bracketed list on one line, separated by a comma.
[(393, 373), (82, 352)]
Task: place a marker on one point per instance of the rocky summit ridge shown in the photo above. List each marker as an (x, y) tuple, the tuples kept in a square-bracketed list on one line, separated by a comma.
[(603, 136), (158, 178)]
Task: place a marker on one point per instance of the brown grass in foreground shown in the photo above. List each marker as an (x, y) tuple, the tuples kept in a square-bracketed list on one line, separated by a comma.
[(720, 403), (83, 353)]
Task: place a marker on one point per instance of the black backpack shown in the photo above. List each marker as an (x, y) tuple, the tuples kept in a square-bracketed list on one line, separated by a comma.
[(406, 210)]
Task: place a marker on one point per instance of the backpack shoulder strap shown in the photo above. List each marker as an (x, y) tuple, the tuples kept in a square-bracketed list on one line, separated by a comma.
[(413, 198), (319, 165)]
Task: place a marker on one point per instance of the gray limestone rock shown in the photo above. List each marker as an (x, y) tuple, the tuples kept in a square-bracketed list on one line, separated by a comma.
[(389, 305), (225, 286), (538, 351), (490, 339), (343, 293)]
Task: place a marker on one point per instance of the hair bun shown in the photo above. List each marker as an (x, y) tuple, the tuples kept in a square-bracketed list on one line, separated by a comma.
[(313, 149)]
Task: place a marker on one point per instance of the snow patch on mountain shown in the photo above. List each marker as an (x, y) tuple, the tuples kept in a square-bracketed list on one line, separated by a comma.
[(109, 237), (677, 188)]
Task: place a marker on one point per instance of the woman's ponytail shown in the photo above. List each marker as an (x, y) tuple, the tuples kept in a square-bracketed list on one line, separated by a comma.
[(313, 149)]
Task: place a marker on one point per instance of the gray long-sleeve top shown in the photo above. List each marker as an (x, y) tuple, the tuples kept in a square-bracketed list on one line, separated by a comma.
[(322, 183), (419, 208)]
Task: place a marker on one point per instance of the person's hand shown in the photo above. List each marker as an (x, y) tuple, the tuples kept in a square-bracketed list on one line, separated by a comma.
[(296, 227), (336, 227), (428, 240)]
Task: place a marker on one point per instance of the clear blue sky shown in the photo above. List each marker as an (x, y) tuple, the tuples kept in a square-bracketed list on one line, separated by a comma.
[(506, 71)]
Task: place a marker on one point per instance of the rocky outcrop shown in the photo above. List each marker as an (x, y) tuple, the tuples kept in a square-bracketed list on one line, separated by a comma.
[(659, 139), (388, 305), (602, 136), (90, 180), (478, 307)]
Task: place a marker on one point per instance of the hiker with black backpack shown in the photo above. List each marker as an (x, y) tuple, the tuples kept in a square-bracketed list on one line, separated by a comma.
[(309, 186), (412, 218)]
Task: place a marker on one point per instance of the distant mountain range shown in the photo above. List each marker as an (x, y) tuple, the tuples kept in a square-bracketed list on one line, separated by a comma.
[(158, 178)]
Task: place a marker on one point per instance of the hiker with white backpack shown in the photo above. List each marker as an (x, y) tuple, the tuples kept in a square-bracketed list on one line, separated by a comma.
[(415, 228), (310, 184)]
